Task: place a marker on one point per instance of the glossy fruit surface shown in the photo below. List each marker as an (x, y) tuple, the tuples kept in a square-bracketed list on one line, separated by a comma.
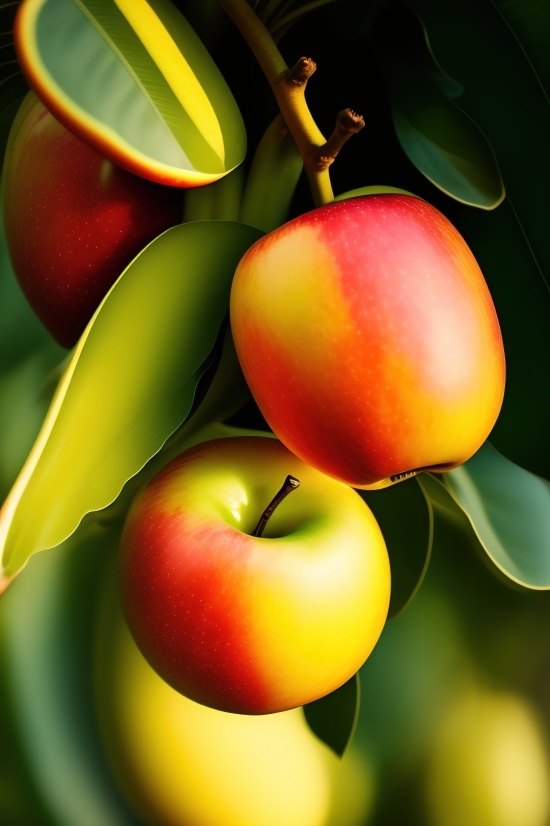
[(183, 764), (73, 220), (369, 339), (242, 623)]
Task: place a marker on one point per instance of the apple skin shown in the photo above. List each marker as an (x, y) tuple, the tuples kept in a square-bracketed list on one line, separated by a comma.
[(369, 339), (179, 763), (246, 624), (73, 220)]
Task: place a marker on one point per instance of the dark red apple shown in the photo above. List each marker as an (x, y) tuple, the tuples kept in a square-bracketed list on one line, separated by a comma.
[(73, 219)]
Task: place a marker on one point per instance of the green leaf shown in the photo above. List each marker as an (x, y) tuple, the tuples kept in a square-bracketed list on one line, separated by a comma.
[(435, 134), (132, 79), (25, 394), (509, 509), (443, 143), (479, 46), (272, 179), (333, 718), (220, 201), (129, 385), (474, 44), (522, 301), (226, 393), (530, 22), (405, 517), (494, 59), (49, 668)]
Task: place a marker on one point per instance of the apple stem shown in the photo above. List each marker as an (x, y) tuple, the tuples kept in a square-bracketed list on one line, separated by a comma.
[(288, 86), (290, 484)]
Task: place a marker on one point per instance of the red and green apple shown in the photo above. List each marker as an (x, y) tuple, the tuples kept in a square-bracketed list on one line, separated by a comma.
[(369, 339), (73, 219), (244, 623)]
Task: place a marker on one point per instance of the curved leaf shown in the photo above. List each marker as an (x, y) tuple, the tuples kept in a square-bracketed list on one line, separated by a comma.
[(132, 79), (220, 201), (333, 718), (443, 143), (25, 393), (48, 664), (503, 95), (272, 179), (405, 517), (530, 22), (435, 134), (130, 383), (226, 393), (494, 55), (509, 509)]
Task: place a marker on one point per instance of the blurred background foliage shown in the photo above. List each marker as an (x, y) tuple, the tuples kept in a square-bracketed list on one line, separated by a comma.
[(455, 711)]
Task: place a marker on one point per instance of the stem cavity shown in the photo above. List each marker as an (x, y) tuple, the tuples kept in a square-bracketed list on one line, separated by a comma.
[(290, 484)]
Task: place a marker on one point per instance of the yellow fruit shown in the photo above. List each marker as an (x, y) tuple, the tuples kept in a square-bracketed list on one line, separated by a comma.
[(183, 764), (489, 764)]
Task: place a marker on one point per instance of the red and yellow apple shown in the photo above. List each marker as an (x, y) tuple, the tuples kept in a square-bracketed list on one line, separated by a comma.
[(244, 623), (179, 763), (369, 339), (73, 219)]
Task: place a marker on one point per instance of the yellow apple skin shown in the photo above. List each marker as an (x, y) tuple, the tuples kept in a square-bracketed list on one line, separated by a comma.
[(183, 764), (489, 764), (247, 624)]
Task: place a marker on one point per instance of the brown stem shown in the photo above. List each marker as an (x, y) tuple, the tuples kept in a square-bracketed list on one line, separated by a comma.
[(288, 86), (290, 484), (348, 123), (301, 72)]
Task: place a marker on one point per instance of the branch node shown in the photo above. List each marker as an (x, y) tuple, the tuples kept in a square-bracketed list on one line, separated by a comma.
[(348, 123), (300, 73)]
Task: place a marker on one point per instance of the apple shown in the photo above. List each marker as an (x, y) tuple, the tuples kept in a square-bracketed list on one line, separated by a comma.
[(183, 764), (246, 623), (73, 219), (369, 339)]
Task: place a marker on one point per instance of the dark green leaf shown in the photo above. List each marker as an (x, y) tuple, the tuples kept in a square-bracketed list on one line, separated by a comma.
[(522, 301), (405, 518), (473, 43), (530, 22), (503, 94), (436, 135), (333, 718)]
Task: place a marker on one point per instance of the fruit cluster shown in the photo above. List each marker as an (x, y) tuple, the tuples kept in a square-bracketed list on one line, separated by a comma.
[(370, 343)]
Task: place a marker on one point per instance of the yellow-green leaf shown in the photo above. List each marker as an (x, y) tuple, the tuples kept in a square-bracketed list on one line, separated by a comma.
[(132, 78), (129, 385)]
